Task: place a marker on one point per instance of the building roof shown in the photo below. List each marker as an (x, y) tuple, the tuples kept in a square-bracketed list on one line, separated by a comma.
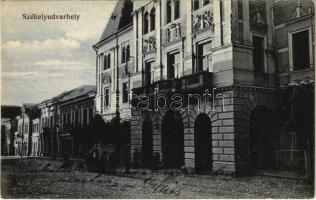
[(120, 18), (10, 111), (77, 92)]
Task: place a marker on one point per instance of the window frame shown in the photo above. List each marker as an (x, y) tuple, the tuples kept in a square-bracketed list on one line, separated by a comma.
[(174, 9), (106, 97), (290, 42), (265, 66), (152, 19), (125, 91)]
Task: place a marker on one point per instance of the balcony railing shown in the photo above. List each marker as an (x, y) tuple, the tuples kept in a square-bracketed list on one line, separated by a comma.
[(197, 80), (171, 84)]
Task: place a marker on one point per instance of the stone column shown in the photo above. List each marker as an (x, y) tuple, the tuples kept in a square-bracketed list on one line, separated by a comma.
[(235, 19), (217, 22), (270, 62), (135, 36), (113, 71), (140, 41), (158, 37), (186, 6), (227, 26), (172, 10)]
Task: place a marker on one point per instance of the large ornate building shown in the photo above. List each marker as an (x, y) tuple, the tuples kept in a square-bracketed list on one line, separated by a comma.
[(225, 67)]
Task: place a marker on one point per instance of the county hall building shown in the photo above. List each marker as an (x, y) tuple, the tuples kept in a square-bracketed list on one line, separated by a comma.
[(238, 70)]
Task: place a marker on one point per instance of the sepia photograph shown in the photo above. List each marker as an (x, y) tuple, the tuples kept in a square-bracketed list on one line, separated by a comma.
[(157, 99)]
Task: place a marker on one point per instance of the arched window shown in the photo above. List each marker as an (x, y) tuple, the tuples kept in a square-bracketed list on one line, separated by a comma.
[(168, 11), (176, 9), (146, 23), (109, 61), (123, 55), (105, 62), (127, 53), (152, 19)]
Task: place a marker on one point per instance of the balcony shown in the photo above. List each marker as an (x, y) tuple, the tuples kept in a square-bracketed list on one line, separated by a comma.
[(168, 85), (201, 80), (198, 80)]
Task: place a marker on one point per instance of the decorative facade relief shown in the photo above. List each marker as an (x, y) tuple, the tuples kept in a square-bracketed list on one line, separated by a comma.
[(257, 17), (173, 32), (203, 21), (106, 78), (149, 45)]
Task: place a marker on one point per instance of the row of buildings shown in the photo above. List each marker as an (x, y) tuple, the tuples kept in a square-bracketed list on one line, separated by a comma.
[(253, 58), (209, 85), (50, 127)]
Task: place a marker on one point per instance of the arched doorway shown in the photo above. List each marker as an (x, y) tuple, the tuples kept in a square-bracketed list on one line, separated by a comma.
[(172, 138), (203, 143), (262, 136), (147, 144)]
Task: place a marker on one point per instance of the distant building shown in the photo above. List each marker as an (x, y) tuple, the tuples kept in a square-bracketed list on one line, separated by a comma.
[(24, 130), (61, 116), (76, 113), (35, 137), (8, 128)]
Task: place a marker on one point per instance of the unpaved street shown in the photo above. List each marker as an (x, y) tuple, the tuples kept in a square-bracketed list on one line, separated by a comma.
[(19, 182)]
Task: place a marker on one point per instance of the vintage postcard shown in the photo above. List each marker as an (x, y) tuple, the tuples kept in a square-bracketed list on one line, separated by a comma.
[(167, 99)]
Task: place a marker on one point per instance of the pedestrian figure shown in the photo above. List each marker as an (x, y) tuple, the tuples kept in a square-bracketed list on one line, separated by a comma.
[(95, 159), (135, 159)]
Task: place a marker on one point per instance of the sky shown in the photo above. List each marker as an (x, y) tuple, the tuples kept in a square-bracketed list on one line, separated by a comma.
[(41, 59)]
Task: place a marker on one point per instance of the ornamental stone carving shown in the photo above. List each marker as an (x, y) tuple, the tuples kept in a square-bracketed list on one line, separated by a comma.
[(203, 21), (106, 78), (149, 44), (173, 32)]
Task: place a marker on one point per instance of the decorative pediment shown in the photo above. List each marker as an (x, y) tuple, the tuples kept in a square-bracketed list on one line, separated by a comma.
[(106, 78)]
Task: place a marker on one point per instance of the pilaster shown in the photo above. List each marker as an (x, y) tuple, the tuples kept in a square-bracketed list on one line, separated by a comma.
[(246, 22)]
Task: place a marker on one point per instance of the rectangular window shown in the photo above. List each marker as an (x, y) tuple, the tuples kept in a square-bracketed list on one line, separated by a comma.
[(173, 62), (300, 49), (64, 119), (125, 92), (168, 11), (106, 97), (51, 121), (204, 57), (90, 115), (221, 10), (258, 54), (148, 73), (85, 117), (176, 9), (68, 118), (76, 116), (26, 128), (205, 2), (196, 4)]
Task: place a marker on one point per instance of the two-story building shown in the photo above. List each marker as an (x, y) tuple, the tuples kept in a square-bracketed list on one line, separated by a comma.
[(24, 129), (61, 116), (76, 111)]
